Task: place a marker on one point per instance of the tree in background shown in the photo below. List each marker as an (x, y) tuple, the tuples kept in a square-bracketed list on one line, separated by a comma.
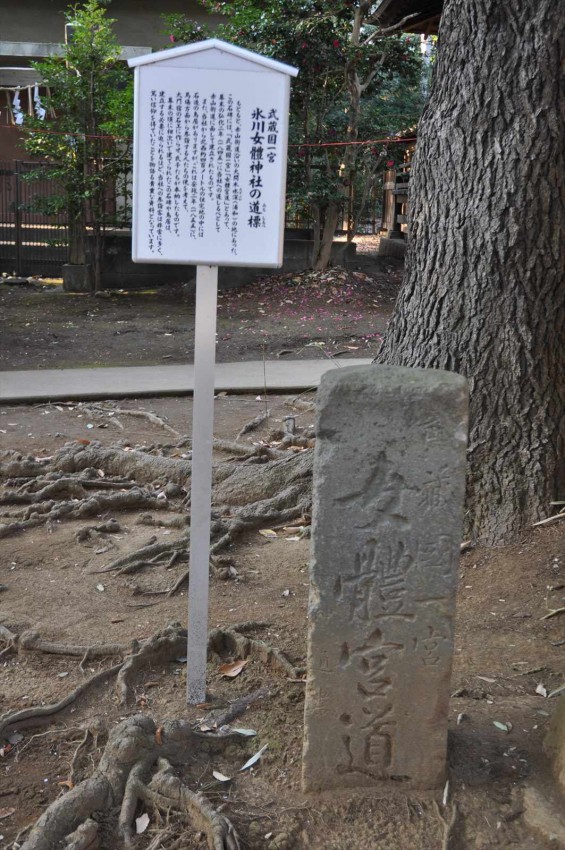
[(484, 293), (348, 69), (91, 97)]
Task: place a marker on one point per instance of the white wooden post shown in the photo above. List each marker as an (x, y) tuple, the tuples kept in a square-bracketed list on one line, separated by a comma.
[(201, 485)]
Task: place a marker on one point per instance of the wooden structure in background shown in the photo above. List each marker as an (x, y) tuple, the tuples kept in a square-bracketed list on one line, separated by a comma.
[(413, 16), (426, 15)]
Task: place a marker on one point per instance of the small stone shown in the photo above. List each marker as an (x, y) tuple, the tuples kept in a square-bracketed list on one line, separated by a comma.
[(255, 829)]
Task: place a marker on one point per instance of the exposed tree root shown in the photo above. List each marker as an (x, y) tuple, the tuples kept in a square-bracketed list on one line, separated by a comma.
[(51, 511), (248, 498), (138, 760), (224, 642), (132, 741), (9, 528), (141, 467), (88, 531), (236, 709), (140, 414), (11, 640), (36, 715), (31, 641), (254, 424), (40, 489), (16, 466), (85, 837), (164, 646), (290, 504), (235, 484), (245, 484), (126, 774), (133, 751), (70, 488), (133, 500), (146, 554), (166, 791), (173, 522), (76, 755), (249, 626), (300, 404)]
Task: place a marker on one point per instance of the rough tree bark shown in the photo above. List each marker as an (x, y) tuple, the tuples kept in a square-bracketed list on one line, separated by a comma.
[(484, 293)]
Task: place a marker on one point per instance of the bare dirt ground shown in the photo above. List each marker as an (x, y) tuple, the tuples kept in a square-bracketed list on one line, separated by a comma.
[(339, 312), (50, 581)]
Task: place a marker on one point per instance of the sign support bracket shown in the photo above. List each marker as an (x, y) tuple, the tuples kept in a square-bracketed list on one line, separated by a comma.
[(201, 482)]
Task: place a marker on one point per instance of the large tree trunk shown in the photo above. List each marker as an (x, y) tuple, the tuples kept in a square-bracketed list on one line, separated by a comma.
[(484, 293)]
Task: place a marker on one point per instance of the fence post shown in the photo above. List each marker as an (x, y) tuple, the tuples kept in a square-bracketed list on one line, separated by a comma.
[(17, 218)]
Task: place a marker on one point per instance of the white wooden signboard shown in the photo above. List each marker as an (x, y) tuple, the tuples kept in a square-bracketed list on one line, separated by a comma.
[(210, 146), (210, 149)]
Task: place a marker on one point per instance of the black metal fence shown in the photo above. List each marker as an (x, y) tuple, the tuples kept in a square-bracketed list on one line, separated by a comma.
[(34, 233), (31, 242), (34, 229)]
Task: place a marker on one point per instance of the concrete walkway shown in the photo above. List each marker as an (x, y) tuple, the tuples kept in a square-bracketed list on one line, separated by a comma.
[(135, 381)]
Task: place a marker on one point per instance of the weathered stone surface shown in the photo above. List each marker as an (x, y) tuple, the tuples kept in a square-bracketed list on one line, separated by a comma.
[(388, 503)]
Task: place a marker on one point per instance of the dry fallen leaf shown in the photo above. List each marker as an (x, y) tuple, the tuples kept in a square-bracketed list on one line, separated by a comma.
[(541, 690), (5, 813), (159, 736), (254, 759), (233, 669), (220, 776), (268, 532), (141, 823), (67, 783)]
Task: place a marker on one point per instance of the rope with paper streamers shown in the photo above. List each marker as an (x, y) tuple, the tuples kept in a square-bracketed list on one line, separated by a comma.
[(387, 141)]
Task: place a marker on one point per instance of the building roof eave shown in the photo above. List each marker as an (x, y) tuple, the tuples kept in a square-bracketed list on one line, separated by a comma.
[(424, 15)]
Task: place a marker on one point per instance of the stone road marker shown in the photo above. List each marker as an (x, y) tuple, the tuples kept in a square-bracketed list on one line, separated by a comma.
[(389, 477)]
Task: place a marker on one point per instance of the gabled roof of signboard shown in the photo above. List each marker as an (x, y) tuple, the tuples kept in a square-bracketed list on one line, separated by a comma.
[(213, 44)]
